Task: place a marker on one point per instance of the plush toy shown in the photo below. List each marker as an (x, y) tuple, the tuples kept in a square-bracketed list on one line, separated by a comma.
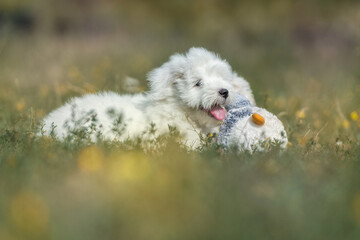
[(250, 128)]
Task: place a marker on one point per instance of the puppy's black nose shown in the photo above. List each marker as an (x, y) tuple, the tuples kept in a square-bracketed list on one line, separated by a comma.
[(224, 92)]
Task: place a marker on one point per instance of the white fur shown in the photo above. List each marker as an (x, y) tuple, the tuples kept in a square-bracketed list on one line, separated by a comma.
[(173, 99)]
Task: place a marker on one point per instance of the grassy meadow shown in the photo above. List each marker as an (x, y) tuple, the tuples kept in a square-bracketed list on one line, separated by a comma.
[(302, 61)]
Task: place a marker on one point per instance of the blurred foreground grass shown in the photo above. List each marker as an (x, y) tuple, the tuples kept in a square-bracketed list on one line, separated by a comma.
[(302, 61)]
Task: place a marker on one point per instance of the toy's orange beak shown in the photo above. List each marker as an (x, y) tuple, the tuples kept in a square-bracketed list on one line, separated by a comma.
[(258, 119)]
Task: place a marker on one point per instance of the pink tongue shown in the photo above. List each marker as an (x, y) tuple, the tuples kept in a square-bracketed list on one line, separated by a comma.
[(218, 112)]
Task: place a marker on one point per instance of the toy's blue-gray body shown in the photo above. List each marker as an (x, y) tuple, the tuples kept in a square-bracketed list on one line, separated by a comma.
[(238, 109)]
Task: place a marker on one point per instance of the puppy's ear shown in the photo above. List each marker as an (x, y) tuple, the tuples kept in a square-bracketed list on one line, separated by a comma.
[(161, 79), (243, 87)]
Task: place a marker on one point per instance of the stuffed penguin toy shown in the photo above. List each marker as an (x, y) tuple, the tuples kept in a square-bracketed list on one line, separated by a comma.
[(250, 128)]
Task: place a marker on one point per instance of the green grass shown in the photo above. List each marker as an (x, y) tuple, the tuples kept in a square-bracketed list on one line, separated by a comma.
[(110, 190), (77, 190)]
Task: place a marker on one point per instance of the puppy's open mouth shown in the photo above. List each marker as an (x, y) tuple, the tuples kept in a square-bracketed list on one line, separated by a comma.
[(216, 112)]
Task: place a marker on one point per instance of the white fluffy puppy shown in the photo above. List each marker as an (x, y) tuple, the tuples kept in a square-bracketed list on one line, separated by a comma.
[(188, 92)]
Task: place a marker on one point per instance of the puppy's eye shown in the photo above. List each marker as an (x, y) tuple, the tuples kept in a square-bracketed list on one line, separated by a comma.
[(198, 83)]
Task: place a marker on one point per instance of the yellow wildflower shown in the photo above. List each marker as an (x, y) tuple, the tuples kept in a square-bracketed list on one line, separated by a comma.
[(300, 114), (129, 167), (90, 159), (29, 214), (20, 105), (302, 141), (346, 124), (354, 116)]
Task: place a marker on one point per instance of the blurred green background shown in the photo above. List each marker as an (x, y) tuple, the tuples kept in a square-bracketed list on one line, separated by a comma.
[(306, 50), (302, 59)]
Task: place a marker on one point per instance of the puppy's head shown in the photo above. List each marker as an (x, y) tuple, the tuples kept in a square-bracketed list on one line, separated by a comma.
[(200, 80)]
